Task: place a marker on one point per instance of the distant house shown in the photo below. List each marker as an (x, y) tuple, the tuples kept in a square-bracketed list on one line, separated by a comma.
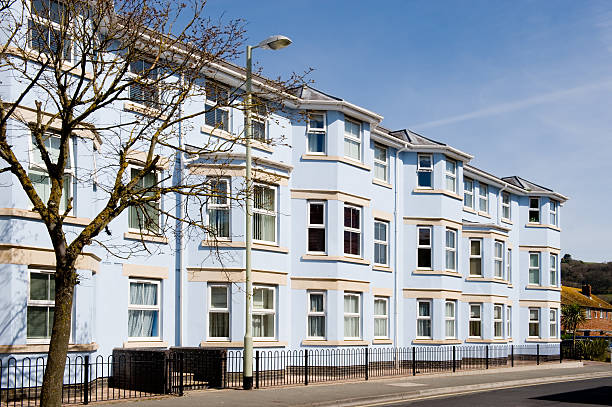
[(598, 311)]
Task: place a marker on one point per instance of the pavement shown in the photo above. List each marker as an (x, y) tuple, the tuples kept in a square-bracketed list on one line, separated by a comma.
[(388, 390)]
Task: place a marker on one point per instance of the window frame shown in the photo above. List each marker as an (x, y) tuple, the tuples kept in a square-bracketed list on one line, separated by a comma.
[(534, 322), (451, 175), (533, 268), (508, 263), (425, 247), (227, 310), (384, 317), (310, 313), (221, 207), (350, 137), (265, 311), (452, 319), (506, 206), (509, 321), (429, 169), (262, 118), (451, 249), (498, 321), (47, 304), (554, 211), (498, 261), (50, 25), (553, 323), (213, 105), (137, 307), (265, 212), (383, 164), (554, 272), (384, 243), (158, 175), (316, 131), (352, 315), (483, 198), (475, 320), (534, 210), (420, 317), (475, 257), (317, 226), (350, 229), (468, 191)]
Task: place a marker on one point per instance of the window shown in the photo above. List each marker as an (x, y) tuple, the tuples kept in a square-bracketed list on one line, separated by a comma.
[(506, 206), (264, 312), (380, 162), (553, 270), (145, 217), (534, 268), (143, 309), (483, 198), (468, 193), (316, 315), (587, 313), (316, 227), (475, 257), (424, 247), (475, 322), (534, 210), (498, 321), (449, 319), (381, 242), (424, 319), (381, 317), (451, 249), (509, 321), (259, 121), (352, 139), (316, 133), (144, 91), (217, 101), (509, 264), (41, 305), (498, 260), (451, 175), (352, 316), (534, 322), (264, 214), (45, 29), (38, 170), (553, 212), (352, 230), (218, 311), (553, 323), (424, 171), (218, 209)]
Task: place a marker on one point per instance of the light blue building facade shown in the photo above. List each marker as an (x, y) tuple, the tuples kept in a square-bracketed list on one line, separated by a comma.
[(363, 237)]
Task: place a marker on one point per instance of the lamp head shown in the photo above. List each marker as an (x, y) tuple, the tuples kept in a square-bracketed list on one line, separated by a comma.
[(274, 42)]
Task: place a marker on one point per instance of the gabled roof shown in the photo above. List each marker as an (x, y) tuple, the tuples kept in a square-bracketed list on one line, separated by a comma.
[(419, 140), (573, 295), (308, 93), (526, 185)]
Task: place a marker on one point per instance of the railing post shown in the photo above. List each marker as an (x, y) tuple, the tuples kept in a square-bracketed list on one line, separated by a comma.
[(487, 355), (414, 361), (512, 357), (306, 367), (257, 369), (454, 359), (367, 364), (181, 374), (561, 352), (86, 380), (537, 354)]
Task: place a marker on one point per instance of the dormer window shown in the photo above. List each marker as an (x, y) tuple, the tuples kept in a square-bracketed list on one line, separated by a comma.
[(316, 133), (424, 171), (352, 139)]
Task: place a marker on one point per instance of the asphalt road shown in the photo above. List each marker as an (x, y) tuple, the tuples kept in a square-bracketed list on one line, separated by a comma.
[(594, 392)]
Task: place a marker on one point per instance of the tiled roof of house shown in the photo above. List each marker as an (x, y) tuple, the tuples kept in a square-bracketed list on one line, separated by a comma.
[(527, 185), (573, 295), (308, 93)]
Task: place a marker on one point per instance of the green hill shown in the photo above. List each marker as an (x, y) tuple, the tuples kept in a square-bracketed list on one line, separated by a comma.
[(574, 273)]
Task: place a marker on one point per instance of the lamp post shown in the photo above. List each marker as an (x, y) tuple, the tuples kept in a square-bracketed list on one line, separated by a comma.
[(275, 42)]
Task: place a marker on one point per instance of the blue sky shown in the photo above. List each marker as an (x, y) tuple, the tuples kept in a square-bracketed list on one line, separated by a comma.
[(524, 86)]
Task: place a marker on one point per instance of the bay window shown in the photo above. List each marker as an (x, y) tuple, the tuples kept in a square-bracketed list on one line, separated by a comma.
[(219, 311), (424, 319), (506, 206), (316, 227), (534, 210), (352, 230), (451, 250), (144, 309), (217, 110), (48, 29), (264, 214), (316, 314), (483, 198), (316, 133), (144, 217), (553, 212), (534, 322), (553, 270), (424, 171), (264, 312), (498, 260), (553, 323), (381, 317), (218, 209), (534, 268), (451, 175), (450, 319), (424, 247), (468, 193), (41, 305), (475, 321), (352, 316), (476, 257), (498, 321), (352, 139)]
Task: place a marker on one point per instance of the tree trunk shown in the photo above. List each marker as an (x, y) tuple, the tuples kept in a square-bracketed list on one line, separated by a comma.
[(65, 279)]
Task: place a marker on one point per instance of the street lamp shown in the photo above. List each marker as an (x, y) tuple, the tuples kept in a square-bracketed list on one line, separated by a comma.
[(274, 42)]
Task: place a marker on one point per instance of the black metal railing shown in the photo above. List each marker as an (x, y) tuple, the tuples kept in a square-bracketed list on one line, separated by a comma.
[(145, 374)]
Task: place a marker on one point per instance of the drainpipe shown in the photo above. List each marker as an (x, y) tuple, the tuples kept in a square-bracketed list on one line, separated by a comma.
[(181, 215), (396, 221)]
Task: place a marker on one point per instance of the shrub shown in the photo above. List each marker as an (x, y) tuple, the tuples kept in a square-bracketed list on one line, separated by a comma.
[(593, 349)]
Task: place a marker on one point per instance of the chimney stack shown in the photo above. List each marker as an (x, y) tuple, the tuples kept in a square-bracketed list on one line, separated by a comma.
[(586, 290)]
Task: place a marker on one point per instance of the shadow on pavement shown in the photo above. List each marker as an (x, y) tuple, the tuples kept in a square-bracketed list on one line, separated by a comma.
[(597, 396)]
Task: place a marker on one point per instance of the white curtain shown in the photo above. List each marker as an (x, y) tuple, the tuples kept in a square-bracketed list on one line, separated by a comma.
[(316, 326), (351, 327), (263, 227), (218, 325), (380, 327), (450, 328), (143, 322)]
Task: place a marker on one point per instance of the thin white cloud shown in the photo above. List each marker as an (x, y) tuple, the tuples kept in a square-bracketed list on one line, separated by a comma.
[(516, 105)]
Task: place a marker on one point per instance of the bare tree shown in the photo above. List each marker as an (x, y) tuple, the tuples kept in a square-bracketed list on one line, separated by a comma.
[(73, 67)]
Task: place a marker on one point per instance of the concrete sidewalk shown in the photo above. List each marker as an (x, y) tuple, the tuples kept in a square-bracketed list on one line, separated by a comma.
[(388, 389)]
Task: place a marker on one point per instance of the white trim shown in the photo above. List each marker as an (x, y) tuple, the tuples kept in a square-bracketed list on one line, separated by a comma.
[(425, 247), (212, 205), (137, 307), (311, 225), (536, 209), (420, 317), (534, 321), (468, 191), (450, 174), (352, 314), (498, 258), (483, 198), (452, 318), (475, 256), (428, 169), (310, 313), (452, 249), (316, 131), (157, 174), (266, 311), (384, 243), (506, 206), (498, 320), (384, 317), (226, 310), (266, 212), (384, 164), (353, 230), (475, 319), (533, 268)]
